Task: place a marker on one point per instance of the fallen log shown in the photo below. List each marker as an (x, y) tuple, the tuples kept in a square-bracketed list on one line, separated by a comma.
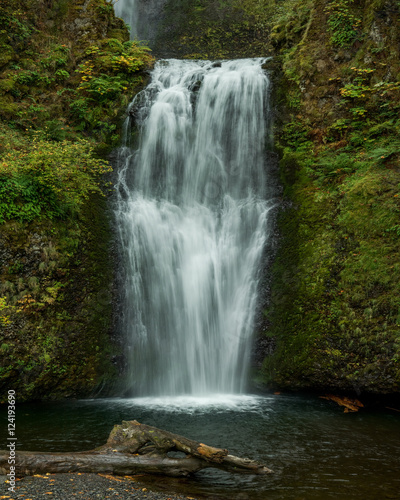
[(134, 448)]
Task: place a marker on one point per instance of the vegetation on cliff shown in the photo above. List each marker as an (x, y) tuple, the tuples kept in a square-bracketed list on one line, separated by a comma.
[(334, 312), (215, 29), (67, 70), (335, 305)]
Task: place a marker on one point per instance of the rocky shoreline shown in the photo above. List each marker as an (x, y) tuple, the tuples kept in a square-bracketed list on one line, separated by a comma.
[(82, 486)]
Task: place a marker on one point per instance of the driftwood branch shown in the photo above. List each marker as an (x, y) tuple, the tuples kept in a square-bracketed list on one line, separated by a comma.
[(135, 448)]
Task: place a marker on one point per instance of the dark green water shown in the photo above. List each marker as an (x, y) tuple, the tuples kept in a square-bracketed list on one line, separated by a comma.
[(315, 450)]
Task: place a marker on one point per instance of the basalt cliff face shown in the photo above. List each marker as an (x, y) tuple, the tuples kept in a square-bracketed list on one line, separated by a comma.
[(333, 316), (334, 308), (67, 72), (332, 320)]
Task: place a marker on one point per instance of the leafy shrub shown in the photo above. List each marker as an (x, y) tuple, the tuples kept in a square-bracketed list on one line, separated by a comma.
[(28, 77), (48, 179), (5, 310), (108, 72), (23, 198), (104, 87), (61, 75), (14, 25), (114, 57), (343, 25)]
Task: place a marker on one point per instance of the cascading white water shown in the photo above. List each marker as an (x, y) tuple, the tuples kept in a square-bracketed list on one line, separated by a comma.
[(142, 16), (128, 11), (192, 220)]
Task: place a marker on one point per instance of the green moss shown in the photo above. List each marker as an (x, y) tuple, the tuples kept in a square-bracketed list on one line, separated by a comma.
[(206, 29), (8, 108), (335, 279), (61, 304), (40, 83), (334, 308), (56, 275)]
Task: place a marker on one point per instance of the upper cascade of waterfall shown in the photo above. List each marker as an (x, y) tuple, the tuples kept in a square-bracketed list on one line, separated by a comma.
[(142, 17), (128, 11), (193, 218), (202, 122)]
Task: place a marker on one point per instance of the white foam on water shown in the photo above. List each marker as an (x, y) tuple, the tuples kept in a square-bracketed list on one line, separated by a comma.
[(210, 403)]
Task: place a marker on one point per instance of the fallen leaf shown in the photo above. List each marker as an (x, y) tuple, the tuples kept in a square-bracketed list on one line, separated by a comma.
[(108, 476), (351, 405)]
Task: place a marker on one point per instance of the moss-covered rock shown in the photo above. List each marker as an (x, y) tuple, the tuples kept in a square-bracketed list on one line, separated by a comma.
[(56, 266), (209, 29), (56, 285), (334, 306), (334, 309), (54, 72)]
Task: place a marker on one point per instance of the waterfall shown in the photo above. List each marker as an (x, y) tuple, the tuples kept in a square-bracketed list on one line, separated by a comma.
[(127, 10), (192, 218), (148, 12)]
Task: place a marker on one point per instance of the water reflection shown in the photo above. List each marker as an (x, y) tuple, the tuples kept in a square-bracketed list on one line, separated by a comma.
[(315, 450)]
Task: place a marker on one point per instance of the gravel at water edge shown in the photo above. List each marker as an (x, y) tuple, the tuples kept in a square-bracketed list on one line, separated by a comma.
[(81, 486)]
